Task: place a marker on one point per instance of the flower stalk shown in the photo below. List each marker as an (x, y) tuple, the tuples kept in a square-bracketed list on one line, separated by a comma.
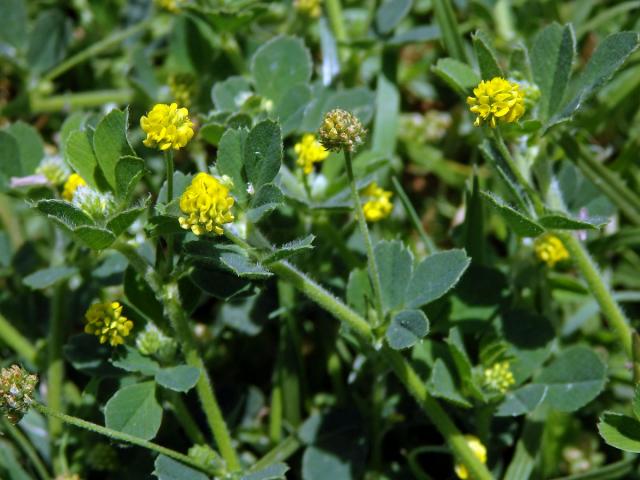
[(399, 364), (364, 231), (608, 305), (120, 436), (169, 297)]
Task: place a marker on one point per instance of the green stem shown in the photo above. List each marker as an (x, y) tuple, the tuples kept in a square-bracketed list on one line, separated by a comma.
[(204, 387), (451, 37), (169, 296), (524, 183), (526, 452), (120, 436), (401, 367), (230, 47), (93, 50), (436, 414), (25, 445), (600, 291), (429, 246), (10, 222), (70, 101), (185, 418), (603, 178), (275, 412), (336, 19), (168, 156), (55, 369), (279, 453), (16, 341), (323, 298), (55, 361), (364, 231)]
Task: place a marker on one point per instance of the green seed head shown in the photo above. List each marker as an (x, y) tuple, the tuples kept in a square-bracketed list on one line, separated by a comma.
[(341, 130), (16, 392)]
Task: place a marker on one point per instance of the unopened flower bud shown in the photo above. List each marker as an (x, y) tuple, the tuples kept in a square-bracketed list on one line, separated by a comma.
[(207, 457), (54, 170), (96, 204)]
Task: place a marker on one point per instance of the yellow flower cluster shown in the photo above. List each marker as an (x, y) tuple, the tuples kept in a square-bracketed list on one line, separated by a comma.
[(496, 100), (308, 8), (71, 185), (550, 249), (105, 320), (499, 377), (167, 126), (309, 151), (478, 449), (207, 204), (169, 5), (378, 203)]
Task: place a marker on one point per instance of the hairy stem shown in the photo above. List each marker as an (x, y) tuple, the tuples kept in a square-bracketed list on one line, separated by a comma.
[(16, 341), (336, 19), (185, 418), (169, 296), (524, 183), (364, 231), (120, 436), (168, 156), (400, 365), (608, 305), (93, 50), (70, 101), (429, 246), (25, 445)]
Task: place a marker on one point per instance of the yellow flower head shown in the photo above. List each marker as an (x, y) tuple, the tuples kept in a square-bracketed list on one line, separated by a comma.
[(71, 185), (496, 100), (499, 377), (309, 151), (378, 203), (167, 126), (105, 320), (478, 449), (207, 205), (550, 249), (308, 8), (169, 5)]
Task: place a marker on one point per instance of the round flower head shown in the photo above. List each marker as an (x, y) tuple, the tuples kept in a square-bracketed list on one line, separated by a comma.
[(167, 126), (54, 170), (378, 203), (478, 449), (496, 100), (105, 320), (71, 185), (499, 377), (308, 8), (309, 151), (16, 392), (206, 204), (341, 129), (550, 249), (169, 5)]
